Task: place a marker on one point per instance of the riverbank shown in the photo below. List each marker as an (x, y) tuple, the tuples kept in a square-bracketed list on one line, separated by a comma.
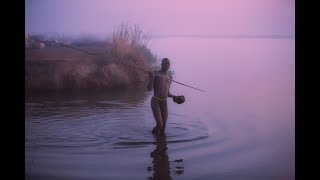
[(52, 67), (65, 69)]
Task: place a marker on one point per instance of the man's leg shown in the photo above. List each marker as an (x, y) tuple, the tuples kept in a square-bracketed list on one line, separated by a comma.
[(157, 116), (164, 114)]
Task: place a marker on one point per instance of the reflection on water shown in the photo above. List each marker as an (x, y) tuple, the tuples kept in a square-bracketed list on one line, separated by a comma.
[(162, 167), (78, 122), (66, 131), (81, 121), (130, 97)]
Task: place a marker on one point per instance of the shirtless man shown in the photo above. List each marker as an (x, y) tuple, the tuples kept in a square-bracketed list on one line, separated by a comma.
[(161, 87)]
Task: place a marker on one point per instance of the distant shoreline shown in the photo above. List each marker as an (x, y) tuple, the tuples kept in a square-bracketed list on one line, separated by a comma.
[(227, 36)]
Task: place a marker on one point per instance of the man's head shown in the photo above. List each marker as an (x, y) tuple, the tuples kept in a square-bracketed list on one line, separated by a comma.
[(165, 64)]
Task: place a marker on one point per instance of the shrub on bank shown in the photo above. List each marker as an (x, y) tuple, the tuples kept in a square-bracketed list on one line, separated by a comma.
[(66, 69)]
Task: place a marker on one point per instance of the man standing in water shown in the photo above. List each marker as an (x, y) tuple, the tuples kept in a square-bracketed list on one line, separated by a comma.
[(160, 81)]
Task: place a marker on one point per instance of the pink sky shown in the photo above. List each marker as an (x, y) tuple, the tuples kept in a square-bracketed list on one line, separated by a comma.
[(165, 17)]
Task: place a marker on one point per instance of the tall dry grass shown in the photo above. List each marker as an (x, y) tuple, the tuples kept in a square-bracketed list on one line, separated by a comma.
[(58, 68), (131, 42)]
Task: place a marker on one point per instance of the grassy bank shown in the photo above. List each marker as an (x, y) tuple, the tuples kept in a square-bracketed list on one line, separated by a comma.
[(59, 68)]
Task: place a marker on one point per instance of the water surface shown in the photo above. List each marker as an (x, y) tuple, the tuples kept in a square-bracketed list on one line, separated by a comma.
[(242, 127)]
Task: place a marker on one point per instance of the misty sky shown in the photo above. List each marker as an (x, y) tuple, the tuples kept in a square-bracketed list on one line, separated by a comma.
[(162, 17)]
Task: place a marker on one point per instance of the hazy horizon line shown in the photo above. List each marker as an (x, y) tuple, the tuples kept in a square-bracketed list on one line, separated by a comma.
[(275, 36), (239, 36)]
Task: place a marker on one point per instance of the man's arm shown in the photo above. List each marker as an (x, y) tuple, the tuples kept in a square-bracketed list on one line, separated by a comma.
[(150, 84), (169, 94)]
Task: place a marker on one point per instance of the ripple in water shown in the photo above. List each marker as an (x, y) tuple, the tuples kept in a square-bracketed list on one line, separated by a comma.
[(78, 125)]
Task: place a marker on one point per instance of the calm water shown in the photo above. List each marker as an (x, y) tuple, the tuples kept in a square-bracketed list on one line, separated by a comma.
[(242, 127)]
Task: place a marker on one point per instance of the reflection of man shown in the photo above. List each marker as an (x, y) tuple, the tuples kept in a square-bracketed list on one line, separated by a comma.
[(161, 165), (161, 84), (160, 160)]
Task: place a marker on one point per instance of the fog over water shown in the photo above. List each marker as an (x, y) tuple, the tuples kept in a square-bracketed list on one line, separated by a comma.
[(167, 17)]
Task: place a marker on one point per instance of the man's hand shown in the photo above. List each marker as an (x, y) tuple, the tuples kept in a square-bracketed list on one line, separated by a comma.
[(178, 99)]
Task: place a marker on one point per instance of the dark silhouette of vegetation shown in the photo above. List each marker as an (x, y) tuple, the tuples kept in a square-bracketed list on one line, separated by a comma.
[(58, 68)]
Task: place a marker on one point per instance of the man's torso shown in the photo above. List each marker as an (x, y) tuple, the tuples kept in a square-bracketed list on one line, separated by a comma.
[(161, 85)]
